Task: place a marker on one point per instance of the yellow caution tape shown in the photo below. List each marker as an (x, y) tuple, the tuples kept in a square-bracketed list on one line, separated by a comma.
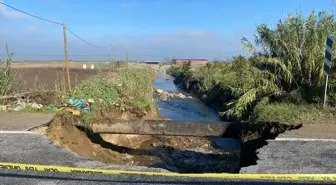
[(64, 169)]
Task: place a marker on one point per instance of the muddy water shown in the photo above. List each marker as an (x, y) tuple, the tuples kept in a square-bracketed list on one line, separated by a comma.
[(190, 109)]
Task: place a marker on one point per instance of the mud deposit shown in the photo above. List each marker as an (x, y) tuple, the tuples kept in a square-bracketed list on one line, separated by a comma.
[(177, 154)]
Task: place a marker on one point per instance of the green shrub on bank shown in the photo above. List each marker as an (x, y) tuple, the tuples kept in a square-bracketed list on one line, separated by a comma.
[(6, 75), (130, 89), (294, 113), (136, 87), (96, 87), (288, 70)]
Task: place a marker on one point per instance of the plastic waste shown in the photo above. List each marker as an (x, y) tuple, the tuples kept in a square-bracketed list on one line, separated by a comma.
[(79, 104), (36, 106), (75, 106), (74, 112), (52, 108), (3, 107)]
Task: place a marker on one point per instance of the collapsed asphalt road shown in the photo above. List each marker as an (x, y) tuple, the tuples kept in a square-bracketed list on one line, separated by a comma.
[(37, 149), (19, 146), (295, 156)]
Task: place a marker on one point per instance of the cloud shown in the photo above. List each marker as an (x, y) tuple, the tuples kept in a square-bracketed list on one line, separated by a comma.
[(127, 4), (11, 14)]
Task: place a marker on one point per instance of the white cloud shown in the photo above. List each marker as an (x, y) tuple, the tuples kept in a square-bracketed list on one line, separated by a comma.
[(127, 4), (11, 14)]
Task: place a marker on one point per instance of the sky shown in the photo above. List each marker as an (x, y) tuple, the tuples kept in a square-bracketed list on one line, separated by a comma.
[(145, 29)]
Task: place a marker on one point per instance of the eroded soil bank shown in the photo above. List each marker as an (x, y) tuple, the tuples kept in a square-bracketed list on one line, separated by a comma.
[(177, 154), (256, 135)]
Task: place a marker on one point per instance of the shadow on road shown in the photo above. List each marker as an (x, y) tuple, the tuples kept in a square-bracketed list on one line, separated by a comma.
[(174, 159)]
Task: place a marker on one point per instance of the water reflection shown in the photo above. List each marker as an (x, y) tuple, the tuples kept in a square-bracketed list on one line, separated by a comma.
[(182, 109)]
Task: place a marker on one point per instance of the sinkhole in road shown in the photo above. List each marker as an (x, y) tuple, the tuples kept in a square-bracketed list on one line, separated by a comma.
[(176, 154), (255, 136)]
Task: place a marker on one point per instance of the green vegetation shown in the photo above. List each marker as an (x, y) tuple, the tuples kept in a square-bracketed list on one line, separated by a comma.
[(6, 75), (126, 89), (44, 109), (130, 90), (95, 87), (282, 80), (135, 87)]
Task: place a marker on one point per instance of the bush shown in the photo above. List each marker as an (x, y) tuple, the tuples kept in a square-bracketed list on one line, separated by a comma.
[(136, 87), (96, 87), (6, 75), (288, 112)]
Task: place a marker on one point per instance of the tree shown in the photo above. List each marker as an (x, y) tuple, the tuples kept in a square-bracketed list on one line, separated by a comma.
[(288, 58)]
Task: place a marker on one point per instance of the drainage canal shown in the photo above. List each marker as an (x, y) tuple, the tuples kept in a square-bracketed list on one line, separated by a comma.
[(254, 135), (173, 153)]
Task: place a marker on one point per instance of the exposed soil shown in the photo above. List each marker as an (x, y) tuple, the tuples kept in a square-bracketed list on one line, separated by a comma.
[(36, 79), (62, 132), (36, 84), (178, 154)]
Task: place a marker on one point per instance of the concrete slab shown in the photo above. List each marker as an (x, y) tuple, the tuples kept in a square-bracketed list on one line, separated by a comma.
[(22, 121), (162, 127)]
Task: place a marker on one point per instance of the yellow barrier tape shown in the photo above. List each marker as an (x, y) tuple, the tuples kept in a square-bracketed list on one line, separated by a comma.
[(65, 169)]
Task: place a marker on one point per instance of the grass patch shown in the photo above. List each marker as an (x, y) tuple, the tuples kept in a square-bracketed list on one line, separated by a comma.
[(6, 75), (294, 113), (96, 87), (136, 87), (44, 110), (130, 89)]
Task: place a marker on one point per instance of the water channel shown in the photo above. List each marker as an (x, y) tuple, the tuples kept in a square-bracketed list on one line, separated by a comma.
[(190, 109)]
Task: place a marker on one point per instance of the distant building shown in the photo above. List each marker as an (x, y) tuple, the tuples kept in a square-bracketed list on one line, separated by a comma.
[(192, 61)]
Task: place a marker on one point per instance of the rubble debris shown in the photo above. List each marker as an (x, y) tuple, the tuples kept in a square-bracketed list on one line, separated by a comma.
[(164, 96)]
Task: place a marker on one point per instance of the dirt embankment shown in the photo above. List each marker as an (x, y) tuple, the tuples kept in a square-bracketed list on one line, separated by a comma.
[(178, 154), (40, 85)]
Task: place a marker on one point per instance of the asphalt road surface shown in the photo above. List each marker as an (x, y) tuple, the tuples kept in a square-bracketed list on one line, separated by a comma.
[(37, 149), (296, 156), (19, 146)]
